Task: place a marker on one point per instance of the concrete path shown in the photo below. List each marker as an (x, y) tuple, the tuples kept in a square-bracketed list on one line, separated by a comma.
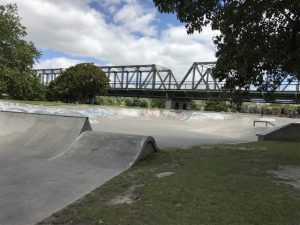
[(48, 162)]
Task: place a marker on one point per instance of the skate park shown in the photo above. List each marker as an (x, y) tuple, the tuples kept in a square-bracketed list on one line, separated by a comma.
[(45, 149), (77, 149), (49, 161)]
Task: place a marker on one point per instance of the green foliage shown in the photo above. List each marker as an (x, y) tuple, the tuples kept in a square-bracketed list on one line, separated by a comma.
[(216, 106), (80, 83), (130, 102), (107, 100), (195, 105), (158, 103), (17, 57), (271, 109), (137, 102), (257, 40)]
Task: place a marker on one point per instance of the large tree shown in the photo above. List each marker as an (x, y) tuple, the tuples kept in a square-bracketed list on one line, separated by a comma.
[(17, 57), (259, 41), (80, 83)]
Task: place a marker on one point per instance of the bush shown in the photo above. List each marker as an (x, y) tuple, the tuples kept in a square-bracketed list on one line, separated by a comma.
[(107, 100), (137, 102), (196, 106), (130, 102), (80, 83), (216, 106), (22, 86), (158, 103)]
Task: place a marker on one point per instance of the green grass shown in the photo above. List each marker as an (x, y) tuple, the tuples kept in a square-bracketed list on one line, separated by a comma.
[(223, 184)]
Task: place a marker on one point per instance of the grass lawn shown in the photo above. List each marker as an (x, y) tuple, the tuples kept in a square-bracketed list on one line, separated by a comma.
[(213, 185)]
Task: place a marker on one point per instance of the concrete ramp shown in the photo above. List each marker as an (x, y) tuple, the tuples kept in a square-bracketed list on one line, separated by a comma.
[(48, 162), (286, 132)]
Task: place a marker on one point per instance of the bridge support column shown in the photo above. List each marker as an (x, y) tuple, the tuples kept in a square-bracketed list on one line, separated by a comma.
[(177, 103)]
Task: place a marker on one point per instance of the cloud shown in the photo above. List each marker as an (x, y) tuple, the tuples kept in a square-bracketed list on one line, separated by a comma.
[(73, 27), (135, 18), (55, 63)]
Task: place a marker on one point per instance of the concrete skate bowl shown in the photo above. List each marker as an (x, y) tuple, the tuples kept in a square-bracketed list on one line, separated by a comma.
[(48, 162)]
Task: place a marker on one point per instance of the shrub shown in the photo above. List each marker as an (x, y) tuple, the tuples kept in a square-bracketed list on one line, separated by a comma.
[(216, 106), (196, 106), (80, 83), (158, 103)]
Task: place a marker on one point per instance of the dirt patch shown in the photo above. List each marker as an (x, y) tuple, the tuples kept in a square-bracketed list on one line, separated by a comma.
[(289, 175), (127, 197), (121, 200), (164, 174), (250, 149)]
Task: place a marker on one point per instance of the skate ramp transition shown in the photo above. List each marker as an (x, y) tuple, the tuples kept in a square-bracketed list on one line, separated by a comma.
[(48, 162)]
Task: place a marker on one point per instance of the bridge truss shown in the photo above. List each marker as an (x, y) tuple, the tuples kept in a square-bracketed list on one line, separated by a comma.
[(143, 77), (154, 81), (126, 77)]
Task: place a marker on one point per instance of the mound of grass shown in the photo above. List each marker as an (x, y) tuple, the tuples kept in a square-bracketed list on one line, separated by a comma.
[(224, 184)]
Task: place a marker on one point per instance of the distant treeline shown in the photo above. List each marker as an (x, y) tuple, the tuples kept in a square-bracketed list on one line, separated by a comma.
[(290, 110), (130, 102)]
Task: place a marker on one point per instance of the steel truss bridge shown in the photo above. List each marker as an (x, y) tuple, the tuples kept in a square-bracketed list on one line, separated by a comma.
[(153, 81)]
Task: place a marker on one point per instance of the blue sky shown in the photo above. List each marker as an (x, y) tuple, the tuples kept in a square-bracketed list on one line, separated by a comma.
[(111, 32)]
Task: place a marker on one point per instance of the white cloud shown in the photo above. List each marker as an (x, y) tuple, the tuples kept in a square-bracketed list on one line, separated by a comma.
[(135, 18), (72, 27), (55, 63)]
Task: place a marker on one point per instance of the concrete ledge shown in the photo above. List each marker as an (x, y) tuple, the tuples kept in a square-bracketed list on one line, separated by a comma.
[(288, 132)]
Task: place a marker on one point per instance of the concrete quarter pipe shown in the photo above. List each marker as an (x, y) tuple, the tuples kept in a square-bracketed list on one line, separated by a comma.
[(48, 162)]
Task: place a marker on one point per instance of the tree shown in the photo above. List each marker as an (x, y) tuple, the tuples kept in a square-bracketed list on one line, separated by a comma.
[(258, 43), (158, 103), (17, 57), (216, 106), (80, 83)]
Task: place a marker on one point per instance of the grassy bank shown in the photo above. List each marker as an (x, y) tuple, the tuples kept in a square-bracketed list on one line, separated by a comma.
[(226, 184)]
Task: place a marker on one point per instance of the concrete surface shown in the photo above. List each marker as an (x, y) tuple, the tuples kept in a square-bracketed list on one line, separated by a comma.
[(171, 129), (48, 162), (287, 132), (45, 163), (172, 133)]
